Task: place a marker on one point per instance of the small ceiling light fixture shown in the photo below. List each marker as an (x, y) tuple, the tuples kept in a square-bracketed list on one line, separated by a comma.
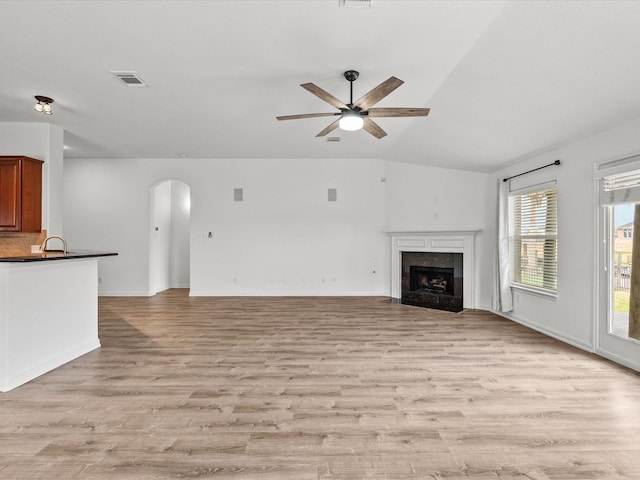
[(351, 120), (43, 105)]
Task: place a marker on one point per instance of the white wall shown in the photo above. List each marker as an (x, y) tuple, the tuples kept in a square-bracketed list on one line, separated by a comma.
[(53, 211), (285, 238), (179, 255), (44, 142), (160, 238), (106, 207), (425, 199), (571, 317)]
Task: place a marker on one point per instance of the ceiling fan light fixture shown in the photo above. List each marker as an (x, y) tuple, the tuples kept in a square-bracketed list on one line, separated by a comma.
[(351, 121)]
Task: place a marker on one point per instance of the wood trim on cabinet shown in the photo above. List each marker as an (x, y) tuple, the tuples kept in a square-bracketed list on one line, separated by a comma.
[(10, 195), (20, 194)]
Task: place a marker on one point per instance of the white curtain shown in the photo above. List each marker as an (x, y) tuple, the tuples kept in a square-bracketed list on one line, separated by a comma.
[(502, 298)]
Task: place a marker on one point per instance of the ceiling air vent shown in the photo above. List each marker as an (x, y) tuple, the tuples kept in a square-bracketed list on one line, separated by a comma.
[(356, 3), (130, 79), (333, 139)]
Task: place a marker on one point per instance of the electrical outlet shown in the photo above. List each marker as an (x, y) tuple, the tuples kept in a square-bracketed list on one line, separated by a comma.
[(99, 279), (36, 249)]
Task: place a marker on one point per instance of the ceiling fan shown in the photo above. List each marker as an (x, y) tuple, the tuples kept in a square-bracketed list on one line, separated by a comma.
[(357, 115)]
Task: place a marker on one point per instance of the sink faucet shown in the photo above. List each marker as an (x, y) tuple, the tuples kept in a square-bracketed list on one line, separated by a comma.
[(43, 247)]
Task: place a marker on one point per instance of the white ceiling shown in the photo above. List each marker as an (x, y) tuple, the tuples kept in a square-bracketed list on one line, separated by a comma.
[(504, 80)]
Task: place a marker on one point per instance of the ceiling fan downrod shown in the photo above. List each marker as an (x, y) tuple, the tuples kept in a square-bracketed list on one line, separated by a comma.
[(351, 119), (351, 76)]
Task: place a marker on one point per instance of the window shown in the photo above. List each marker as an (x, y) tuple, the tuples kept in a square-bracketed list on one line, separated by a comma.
[(533, 236)]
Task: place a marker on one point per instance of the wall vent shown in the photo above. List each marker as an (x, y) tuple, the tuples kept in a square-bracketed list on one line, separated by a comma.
[(356, 3), (130, 79)]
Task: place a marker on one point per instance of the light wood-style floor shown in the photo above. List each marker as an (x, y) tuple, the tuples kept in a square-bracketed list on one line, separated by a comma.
[(322, 389)]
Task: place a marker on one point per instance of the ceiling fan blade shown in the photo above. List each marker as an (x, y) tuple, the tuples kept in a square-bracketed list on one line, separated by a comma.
[(398, 112), (307, 115), (378, 93), (329, 129), (373, 128), (323, 95)]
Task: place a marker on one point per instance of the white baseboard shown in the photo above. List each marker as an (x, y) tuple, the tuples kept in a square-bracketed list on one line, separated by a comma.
[(234, 293), (116, 293), (547, 331), (617, 359)]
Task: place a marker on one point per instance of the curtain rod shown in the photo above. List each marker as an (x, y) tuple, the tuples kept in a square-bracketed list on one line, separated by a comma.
[(557, 162)]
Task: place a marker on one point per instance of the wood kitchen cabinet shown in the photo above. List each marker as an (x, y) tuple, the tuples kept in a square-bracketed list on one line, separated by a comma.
[(20, 194)]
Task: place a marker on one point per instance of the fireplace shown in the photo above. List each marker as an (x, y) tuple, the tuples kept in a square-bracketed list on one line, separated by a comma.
[(432, 280), (446, 242)]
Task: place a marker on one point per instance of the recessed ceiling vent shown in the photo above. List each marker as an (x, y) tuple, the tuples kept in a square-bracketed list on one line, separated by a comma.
[(130, 79), (356, 3), (333, 139)]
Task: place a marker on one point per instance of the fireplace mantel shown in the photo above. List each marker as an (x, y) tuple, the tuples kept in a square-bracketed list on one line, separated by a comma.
[(445, 241)]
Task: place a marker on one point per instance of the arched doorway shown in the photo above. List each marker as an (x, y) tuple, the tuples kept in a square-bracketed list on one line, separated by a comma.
[(169, 250)]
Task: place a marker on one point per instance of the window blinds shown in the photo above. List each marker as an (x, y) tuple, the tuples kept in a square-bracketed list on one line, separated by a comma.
[(620, 188), (534, 238)]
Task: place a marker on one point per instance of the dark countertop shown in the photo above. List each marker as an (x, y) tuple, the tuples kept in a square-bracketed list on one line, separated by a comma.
[(57, 255)]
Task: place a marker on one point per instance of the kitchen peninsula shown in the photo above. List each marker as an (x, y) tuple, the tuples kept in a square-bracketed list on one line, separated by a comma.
[(48, 312)]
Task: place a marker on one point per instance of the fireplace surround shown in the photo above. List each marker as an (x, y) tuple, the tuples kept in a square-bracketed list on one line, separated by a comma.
[(448, 242)]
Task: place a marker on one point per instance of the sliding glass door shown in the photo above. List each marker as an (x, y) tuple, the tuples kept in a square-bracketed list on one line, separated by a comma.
[(621, 254), (618, 274)]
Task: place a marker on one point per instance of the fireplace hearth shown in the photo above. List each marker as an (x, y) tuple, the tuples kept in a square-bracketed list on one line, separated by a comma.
[(432, 280)]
